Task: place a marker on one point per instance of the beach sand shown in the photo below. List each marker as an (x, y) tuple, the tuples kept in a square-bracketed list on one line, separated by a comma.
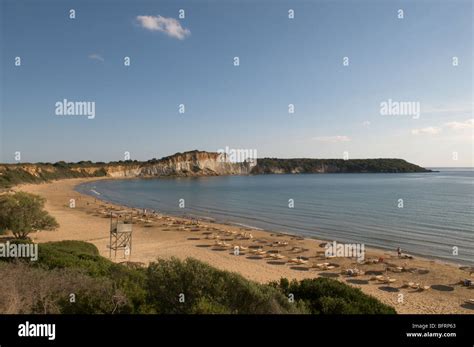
[(166, 236)]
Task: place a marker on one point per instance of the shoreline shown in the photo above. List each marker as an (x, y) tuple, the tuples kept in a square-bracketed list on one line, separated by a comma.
[(166, 235), (243, 225)]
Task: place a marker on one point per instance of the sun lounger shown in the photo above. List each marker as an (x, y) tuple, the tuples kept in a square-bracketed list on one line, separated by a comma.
[(353, 272), (222, 244), (276, 256), (298, 261), (385, 279), (258, 251)]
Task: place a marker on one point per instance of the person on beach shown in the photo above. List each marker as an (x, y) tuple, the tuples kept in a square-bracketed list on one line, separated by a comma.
[(399, 251)]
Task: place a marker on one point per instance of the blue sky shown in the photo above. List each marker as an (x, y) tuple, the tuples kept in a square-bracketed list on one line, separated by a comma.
[(282, 61)]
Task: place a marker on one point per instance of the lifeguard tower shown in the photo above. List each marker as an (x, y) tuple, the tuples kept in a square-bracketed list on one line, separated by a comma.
[(120, 233)]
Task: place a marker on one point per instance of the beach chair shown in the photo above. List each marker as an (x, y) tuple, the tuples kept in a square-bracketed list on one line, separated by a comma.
[(353, 272), (385, 279), (298, 261)]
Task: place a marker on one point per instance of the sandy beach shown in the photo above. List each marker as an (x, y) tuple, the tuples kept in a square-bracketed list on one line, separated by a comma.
[(263, 256)]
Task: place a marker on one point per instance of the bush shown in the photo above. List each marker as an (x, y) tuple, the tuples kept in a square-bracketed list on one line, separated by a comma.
[(208, 289), (328, 296), (29, 290), (85, 257), (73, 254)]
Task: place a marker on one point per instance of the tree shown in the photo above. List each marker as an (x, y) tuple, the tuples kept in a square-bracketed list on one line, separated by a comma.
[(22, 213)]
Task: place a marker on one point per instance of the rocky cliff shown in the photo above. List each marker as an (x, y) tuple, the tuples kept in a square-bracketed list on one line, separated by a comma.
[(194, 163)]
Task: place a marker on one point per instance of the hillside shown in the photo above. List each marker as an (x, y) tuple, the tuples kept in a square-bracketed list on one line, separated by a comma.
[(292, 166)]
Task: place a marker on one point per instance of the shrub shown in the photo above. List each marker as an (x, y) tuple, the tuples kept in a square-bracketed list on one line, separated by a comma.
[(26, 289), (85, 257), (73, 254), (207, 289), (328, 296)]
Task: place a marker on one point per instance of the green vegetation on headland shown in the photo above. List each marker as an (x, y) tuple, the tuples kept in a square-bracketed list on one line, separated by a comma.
[(200, 163), (272, 165), (71, 277)]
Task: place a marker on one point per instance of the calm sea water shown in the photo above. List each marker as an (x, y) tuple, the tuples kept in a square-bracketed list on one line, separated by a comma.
[(437, 213)]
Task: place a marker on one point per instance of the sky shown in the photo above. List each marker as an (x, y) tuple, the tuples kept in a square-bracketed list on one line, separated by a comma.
[(282, 61)]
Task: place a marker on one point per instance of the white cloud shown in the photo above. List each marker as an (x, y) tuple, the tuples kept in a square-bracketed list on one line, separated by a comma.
[(428, 130), (366, 123), (169, 26), (468, 124), (332, 139), (455, 125), (95, 56)]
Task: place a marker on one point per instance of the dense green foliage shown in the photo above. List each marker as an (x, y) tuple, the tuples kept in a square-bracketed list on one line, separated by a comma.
[(101, 286), (272, 165), (73, 254), (326, 296), (206, 289), (22, 213)]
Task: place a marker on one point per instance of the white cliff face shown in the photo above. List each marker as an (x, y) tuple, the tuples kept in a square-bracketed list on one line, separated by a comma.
[(181, 164), (118, 172), (194, 164)]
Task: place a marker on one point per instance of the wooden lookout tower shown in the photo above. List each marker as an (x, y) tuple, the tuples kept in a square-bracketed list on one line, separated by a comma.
[(120, 233)]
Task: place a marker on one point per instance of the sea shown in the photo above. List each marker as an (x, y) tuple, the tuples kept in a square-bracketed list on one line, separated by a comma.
[(429, 214)]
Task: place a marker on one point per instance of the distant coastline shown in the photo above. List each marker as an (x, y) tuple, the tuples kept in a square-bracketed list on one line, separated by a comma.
[(195, 163)]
